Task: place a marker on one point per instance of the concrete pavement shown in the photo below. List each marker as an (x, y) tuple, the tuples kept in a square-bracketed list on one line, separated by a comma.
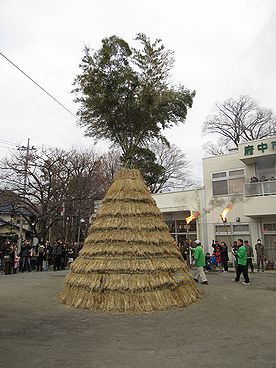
[(230, 326)]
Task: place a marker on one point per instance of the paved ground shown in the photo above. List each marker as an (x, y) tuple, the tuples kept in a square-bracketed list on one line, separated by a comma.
[(230, 326)]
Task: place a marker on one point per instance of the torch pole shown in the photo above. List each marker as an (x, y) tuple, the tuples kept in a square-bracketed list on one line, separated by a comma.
[(189, 249), (227, 233)]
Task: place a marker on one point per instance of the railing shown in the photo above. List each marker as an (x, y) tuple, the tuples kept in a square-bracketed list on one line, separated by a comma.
[(260, 188)]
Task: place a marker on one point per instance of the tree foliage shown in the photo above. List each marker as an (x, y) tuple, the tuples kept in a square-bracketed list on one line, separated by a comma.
[(125, 95), (164, 168), (145, 160), (239, 120)]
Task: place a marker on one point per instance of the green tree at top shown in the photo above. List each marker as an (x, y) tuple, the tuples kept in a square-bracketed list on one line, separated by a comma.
[(125, 95)]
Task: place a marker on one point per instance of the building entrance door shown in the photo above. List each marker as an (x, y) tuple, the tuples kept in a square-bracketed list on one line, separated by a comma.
[(270, 247)]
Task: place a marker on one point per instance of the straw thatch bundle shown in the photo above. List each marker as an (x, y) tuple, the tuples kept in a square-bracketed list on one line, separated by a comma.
[(129, 262)]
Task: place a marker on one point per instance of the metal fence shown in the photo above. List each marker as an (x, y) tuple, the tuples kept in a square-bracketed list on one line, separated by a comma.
[(260, 188)]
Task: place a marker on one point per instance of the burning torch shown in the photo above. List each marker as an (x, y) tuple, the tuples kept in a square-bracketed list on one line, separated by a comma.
[(225, 211), (224, 219), (188, 219)]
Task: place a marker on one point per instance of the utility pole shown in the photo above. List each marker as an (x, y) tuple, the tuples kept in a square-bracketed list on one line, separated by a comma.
[(27, 149)]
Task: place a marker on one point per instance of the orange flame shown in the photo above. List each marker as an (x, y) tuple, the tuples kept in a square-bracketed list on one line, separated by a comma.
[(194, 216), (225, 211)]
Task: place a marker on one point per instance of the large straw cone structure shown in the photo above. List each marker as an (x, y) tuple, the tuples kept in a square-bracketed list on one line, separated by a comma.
[(129, 262)]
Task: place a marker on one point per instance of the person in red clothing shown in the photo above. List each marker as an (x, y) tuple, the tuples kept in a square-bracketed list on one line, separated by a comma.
[(218, 258)]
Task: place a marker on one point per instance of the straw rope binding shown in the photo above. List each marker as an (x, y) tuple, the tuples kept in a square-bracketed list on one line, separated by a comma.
[(129, 262)]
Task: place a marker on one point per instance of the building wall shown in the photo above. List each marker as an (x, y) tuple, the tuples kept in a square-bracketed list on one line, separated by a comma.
[(15, 220), (216, 204), (8, 230), (186, 200), (251, 216), (176, 206)]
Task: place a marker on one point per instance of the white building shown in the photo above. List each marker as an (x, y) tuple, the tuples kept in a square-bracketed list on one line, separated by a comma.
[(245, 178)]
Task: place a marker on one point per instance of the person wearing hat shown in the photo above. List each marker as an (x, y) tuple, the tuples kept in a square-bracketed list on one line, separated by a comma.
[(260, 255), (200, 263), (242, 267)]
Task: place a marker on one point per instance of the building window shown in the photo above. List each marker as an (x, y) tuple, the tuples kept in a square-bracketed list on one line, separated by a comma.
[(192, 226), (219, 175), (236, 185), (240, 228), (231, 232), (180, 226), (269, 227), (266, 169), (171, 225), (270, 246), (220, 187), (239, 172), (232, 182), (232, 228), (223, 229)]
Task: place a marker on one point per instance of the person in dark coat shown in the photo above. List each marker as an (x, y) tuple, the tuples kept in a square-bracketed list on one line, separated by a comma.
[(58, 253), (259, 247), (215, 246), (8, 259), (25, 255), (40, 251), (224, 255), (250, 255), (75, 247)]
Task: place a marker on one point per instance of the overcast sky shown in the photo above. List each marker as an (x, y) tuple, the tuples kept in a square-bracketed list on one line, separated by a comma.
[(222, 49)]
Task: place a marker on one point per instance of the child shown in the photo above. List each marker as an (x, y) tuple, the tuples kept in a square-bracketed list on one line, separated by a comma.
[(70, 256), (218, 258), (213, 262), (16, 263), (208, 266)]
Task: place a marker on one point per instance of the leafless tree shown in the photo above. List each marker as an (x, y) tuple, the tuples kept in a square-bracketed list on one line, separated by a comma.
[(239, 120), (176, 173), (59, 189), (111, 164), (213, 149), (177, 169)]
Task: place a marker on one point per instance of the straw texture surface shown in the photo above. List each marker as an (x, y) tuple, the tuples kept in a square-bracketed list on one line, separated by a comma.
[(129, 261)]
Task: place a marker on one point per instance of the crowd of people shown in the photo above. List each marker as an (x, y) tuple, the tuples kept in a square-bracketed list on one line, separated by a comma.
[(59, 255), (41, 257), (242, 253)]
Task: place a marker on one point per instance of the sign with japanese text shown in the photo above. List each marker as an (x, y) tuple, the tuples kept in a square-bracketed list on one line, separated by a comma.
[(262, 147), (251, 150)]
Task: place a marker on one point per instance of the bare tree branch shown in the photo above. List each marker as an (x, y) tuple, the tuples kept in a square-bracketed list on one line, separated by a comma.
[(240, 120)]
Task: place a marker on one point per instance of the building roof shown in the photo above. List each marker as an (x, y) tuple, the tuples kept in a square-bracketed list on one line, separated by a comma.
[(8, 209), (6, 223)]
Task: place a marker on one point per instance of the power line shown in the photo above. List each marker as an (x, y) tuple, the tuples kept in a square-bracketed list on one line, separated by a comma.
[(7, 142), (38, 85), (7, 147)]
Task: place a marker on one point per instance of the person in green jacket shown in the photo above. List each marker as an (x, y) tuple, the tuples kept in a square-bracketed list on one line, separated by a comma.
[(199, 258), (242, 268)]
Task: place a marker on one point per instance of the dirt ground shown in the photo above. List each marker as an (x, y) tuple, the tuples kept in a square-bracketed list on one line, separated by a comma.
[(230, 326)]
